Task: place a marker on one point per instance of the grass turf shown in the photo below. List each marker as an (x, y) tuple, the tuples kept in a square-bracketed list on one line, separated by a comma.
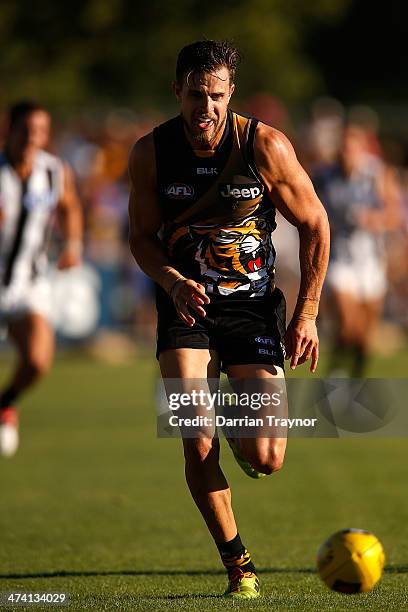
[(95, 505)]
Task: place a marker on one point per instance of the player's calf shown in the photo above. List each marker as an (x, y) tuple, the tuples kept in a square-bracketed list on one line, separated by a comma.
[(40, 364), (201, 464)]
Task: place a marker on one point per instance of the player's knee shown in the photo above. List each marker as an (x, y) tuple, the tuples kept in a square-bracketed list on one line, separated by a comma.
[(198, 450), (268, 461)]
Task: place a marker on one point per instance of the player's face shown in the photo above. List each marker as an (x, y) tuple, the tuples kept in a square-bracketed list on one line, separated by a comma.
[(204, 99), (30, 133)]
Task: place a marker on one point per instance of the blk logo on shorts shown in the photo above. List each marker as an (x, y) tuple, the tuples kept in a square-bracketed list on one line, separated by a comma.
[(240, 192), (266, 351), (179, 191)]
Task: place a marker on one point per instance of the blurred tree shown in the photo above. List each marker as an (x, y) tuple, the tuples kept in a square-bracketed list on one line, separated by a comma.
[(103, 52), (363, 55)]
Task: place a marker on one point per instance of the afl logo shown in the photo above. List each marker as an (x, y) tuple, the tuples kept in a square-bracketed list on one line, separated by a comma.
[(179, 191)]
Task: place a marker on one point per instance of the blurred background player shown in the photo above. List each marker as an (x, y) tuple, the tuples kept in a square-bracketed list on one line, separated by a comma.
[(33, 185), (363, 203)]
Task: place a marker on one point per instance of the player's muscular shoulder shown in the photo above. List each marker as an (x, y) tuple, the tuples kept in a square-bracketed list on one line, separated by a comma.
[(289, 186), (142, 165), (274, 155)]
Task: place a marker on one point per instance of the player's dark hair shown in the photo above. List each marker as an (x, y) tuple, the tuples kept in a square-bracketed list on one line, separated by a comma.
[(207, 56), (21, 109)]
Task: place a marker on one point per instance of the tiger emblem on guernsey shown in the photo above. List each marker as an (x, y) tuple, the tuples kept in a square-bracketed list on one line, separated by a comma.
[(233, 258)]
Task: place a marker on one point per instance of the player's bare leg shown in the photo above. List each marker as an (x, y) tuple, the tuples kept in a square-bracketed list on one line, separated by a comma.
[(349, 329), (351, 321), (370, 312), (356, 322), (34, 341), (205, 479), (204, 476), (264, 454)]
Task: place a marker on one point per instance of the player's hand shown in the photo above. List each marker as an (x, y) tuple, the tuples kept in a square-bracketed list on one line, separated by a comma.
[(68, 259), (187, 293), (302, 343)]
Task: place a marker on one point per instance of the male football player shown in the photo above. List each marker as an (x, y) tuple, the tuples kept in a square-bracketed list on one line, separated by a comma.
[(362, 199), (210, 180), (34, 185)]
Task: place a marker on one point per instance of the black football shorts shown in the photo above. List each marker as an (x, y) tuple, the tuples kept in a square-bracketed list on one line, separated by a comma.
[(242, 330)]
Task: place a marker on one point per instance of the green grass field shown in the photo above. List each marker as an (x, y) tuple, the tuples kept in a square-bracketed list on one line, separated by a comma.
[(95, 505)]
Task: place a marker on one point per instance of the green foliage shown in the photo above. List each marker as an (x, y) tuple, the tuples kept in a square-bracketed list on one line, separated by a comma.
[(123, 52)]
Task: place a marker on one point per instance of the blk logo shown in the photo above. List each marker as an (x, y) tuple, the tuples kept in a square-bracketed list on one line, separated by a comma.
[(265, 351), (207, 171), (180, 191)]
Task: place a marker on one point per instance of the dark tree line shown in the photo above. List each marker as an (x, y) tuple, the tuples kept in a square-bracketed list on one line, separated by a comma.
[(122, 52)]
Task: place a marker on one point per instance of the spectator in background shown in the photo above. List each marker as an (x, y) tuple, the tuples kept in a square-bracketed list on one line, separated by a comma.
[(363, 203)]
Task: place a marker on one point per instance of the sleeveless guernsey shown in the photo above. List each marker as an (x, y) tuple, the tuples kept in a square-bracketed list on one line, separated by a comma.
[(26, 208), (217, 221), (344, 197)]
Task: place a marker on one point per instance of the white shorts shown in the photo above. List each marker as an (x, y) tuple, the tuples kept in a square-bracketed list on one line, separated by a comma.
[(358, 266), (365, 281), (15, 302)]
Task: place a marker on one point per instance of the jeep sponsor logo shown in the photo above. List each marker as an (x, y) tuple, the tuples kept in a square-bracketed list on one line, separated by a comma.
[(265, 340), (240, 192), (179, 191)]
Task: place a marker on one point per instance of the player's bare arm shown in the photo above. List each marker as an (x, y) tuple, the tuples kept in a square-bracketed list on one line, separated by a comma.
[(70, 218), (144, 224), (293, 194)]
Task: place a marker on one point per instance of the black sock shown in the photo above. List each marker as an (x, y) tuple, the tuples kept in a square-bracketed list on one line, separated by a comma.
[(360, 359), (341, 357), (234, 554), (7, 397)]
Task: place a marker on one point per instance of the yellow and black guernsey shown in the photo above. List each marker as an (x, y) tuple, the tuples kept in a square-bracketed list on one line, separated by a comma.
[(217, 220)]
